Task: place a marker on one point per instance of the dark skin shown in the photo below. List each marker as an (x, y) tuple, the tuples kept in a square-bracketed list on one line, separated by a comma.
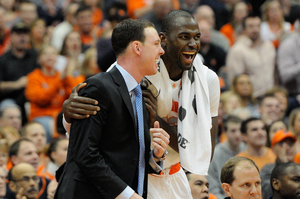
[(180, 46)]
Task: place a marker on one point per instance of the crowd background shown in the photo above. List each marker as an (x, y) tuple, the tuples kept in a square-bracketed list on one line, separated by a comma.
[(49, 46)]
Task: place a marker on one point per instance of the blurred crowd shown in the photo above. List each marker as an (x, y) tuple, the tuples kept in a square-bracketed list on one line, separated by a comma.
[(47, 47)]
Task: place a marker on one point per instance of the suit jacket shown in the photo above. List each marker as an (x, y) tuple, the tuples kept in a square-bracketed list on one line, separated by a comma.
[(103, 151)]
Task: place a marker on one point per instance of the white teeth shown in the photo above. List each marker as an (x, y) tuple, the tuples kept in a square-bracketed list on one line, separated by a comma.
[(157, 61), (189, 53)]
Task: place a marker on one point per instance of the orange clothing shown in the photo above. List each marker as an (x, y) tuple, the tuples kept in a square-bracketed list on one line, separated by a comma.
[(46, 94), (5, 43), (97, 16), (88, 39), (212, 196), (133, 5), (228, 31), (297, 158), (261, 161)]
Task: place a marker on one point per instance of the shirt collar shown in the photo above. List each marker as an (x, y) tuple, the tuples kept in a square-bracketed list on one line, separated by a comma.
[(129, 80)]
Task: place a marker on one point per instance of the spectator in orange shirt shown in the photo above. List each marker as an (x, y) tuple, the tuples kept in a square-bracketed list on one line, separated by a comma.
[(88, 32), (47, 89), (97, 15), (234, 28), (138, 8)]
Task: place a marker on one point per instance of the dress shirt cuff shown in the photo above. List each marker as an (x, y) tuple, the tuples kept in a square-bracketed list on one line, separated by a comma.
[(126, 193), (156, 167), (66, 125)]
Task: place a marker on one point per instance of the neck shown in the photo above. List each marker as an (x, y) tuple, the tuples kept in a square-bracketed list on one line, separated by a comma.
[(174, 72), (260, 151), (48, 71), (245, 101), (129, 64), (232, 147)]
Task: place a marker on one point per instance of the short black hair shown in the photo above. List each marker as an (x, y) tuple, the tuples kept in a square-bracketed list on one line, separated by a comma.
[(251, 15), (280, 170), (53, 146), (232, 119), (169, 22), (83, 7), (14, 148), (245, 124), (127, 31), (117, 12)]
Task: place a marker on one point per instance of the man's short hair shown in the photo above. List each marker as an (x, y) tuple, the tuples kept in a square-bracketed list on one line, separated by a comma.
[(229, 166), (127, 31), (280, 171), (245, 124), (14, 148), (82, 8), (248, 17), (231, 119), (169, 22), (266, 95)]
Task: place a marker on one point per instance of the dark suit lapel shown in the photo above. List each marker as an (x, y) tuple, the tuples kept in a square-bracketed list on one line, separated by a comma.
[(122, 88)]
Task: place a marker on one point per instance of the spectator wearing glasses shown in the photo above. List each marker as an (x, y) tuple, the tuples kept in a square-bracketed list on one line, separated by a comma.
[(24, 176)]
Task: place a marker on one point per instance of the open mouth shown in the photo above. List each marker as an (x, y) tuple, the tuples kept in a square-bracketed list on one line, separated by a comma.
[(157, 61), (188, 56)]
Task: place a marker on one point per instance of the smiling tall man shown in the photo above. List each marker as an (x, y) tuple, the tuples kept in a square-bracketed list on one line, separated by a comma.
[(187, 106)]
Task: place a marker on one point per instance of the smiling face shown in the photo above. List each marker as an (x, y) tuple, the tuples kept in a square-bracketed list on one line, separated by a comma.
[(181, 46), (48, 57), (256, 135), (150, 51)]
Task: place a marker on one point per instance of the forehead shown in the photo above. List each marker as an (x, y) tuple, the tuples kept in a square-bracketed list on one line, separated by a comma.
[(270, 100), (26, 146), (293, 171), (252, 21), (255, 124), (35, 128), (185, 25), (245, 172), (195, 177), (11, 111), (151, 34)]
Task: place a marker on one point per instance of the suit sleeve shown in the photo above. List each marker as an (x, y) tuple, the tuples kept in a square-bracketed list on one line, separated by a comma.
[(84, 140)]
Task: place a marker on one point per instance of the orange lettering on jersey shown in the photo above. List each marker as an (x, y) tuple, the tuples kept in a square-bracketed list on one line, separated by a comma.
[(174, 106)]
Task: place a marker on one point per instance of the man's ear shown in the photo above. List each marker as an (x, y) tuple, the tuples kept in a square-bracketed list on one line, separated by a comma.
[(226, 188), (163, 39), (276, 184), (12, 185), (136, 47)]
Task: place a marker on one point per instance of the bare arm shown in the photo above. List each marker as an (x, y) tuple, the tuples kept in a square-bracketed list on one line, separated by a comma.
[(213, 134), (9, 86), (78, 107)]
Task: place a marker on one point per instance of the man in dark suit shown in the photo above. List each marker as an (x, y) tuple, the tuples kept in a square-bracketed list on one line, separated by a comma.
[(104, 150)]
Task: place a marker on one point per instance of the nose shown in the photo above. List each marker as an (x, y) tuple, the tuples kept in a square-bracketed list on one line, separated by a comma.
[(205, 189), (254, 190), (161, 51), (193, 43)]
